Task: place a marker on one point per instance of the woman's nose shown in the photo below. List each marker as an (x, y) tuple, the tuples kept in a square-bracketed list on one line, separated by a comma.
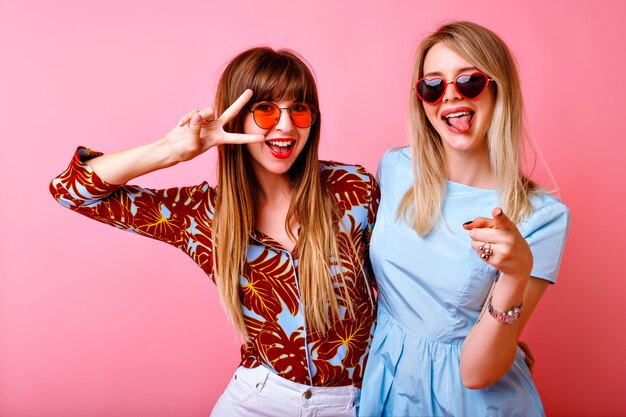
[(285, 124), (450, 92)]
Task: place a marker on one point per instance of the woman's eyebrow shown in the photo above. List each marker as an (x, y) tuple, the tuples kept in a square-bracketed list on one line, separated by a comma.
[(458, 71)]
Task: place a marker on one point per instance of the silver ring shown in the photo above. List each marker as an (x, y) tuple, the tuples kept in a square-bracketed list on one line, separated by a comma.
[(485, 248)]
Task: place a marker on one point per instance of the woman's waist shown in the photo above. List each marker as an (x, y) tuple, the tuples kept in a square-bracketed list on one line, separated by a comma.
[(334, 359), (428, 326), (260, 376), (393, 337)]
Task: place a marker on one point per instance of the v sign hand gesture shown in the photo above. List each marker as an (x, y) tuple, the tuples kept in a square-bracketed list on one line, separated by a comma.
[(199, 131), (196, 133), (500, 240)]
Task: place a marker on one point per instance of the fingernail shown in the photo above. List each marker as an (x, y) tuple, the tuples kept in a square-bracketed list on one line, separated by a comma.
[(180, 122), (500, 212), (466, 223), (196, 117)]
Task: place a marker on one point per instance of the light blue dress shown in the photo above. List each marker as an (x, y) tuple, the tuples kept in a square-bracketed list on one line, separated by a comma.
[(430, 293)]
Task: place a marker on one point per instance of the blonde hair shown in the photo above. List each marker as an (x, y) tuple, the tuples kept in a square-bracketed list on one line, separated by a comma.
[(274, 75), (422, 204)]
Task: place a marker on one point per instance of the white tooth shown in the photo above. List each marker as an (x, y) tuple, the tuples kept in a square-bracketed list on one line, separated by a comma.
[(457, 114), (280, 143)]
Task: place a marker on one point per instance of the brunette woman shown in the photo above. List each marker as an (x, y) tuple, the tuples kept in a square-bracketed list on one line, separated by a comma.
[(283, 235)]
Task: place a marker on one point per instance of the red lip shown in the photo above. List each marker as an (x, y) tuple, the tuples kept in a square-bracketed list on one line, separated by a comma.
[(455, 110)]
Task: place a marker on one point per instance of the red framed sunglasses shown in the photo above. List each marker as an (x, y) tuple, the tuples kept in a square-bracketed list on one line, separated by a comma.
[(469, 86), (266, 114)]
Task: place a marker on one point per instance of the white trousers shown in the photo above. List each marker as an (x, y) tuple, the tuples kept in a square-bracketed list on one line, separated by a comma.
[(260, 392)]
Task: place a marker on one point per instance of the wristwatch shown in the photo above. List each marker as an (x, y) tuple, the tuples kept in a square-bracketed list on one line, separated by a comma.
[(505, 317)]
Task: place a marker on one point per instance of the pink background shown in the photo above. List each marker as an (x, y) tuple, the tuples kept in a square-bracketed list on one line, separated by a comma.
[(96, 322)]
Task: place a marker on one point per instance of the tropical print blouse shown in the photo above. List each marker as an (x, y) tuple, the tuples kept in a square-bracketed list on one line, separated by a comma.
[(278, 335)]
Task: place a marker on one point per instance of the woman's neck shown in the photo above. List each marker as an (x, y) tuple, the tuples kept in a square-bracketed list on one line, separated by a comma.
[(273, 188), (271, 206), (470, 168)]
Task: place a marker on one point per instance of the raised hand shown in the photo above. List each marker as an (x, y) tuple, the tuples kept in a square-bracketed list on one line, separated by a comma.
[(498, 242), (198, 131)]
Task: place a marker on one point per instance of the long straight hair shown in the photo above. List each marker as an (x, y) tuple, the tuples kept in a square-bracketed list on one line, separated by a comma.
[(421, 206), (274, 75)]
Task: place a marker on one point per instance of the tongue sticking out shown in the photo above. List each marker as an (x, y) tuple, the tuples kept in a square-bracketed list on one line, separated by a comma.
[(280, 152), (280, 149), (461, 123)]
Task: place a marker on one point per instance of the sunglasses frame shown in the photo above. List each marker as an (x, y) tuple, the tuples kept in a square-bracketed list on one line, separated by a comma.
[(314, 113), (489, 79)]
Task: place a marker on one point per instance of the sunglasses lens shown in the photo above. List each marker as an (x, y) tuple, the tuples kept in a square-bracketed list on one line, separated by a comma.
[(430, 90), (303, 115), (266, 115), (471, 86)]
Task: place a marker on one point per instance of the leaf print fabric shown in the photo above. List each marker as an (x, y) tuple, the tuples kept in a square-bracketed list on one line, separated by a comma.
[(278, 335)]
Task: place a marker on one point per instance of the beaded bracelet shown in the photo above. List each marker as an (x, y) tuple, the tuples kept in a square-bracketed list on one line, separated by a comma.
[(505, 317)]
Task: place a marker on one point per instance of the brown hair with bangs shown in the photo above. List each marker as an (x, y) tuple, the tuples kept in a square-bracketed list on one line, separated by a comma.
[(274, 75)]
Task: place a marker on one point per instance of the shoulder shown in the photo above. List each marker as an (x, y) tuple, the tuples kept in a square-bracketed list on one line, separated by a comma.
[(546, 231), (395, 170), (548, 213), (338, 173), (394, 156), (202, 193), (394, 160), (341, 178), (545, 203)]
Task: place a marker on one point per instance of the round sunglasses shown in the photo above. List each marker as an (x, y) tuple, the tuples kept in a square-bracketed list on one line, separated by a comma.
[(266, 114), (469, 86)]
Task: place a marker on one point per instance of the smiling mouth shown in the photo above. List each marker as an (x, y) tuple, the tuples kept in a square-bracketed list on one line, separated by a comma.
[(281, 148), (461, 121), (280, 144)]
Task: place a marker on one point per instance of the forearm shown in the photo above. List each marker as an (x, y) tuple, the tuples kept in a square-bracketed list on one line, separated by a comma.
[(122, 166), (489, 350)]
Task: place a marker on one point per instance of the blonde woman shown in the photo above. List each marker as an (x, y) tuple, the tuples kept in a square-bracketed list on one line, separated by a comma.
[(465, 244), (283, 235)]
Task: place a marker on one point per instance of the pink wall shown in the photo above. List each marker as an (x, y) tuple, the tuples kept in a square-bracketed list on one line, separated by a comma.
[(96, 322)]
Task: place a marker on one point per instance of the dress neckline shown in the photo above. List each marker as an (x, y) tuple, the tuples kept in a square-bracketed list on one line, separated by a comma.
[(462, 190)]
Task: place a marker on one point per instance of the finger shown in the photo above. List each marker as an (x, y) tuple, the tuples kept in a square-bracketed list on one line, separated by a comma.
[(488, 235), (196, 124), (480, 246), (186, 118), (478, 223), (236, 107), (239, 138), (483, 249), (208, 114), (501, 220)]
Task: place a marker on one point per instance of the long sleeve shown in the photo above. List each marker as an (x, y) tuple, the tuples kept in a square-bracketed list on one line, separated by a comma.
[(181, 216)]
